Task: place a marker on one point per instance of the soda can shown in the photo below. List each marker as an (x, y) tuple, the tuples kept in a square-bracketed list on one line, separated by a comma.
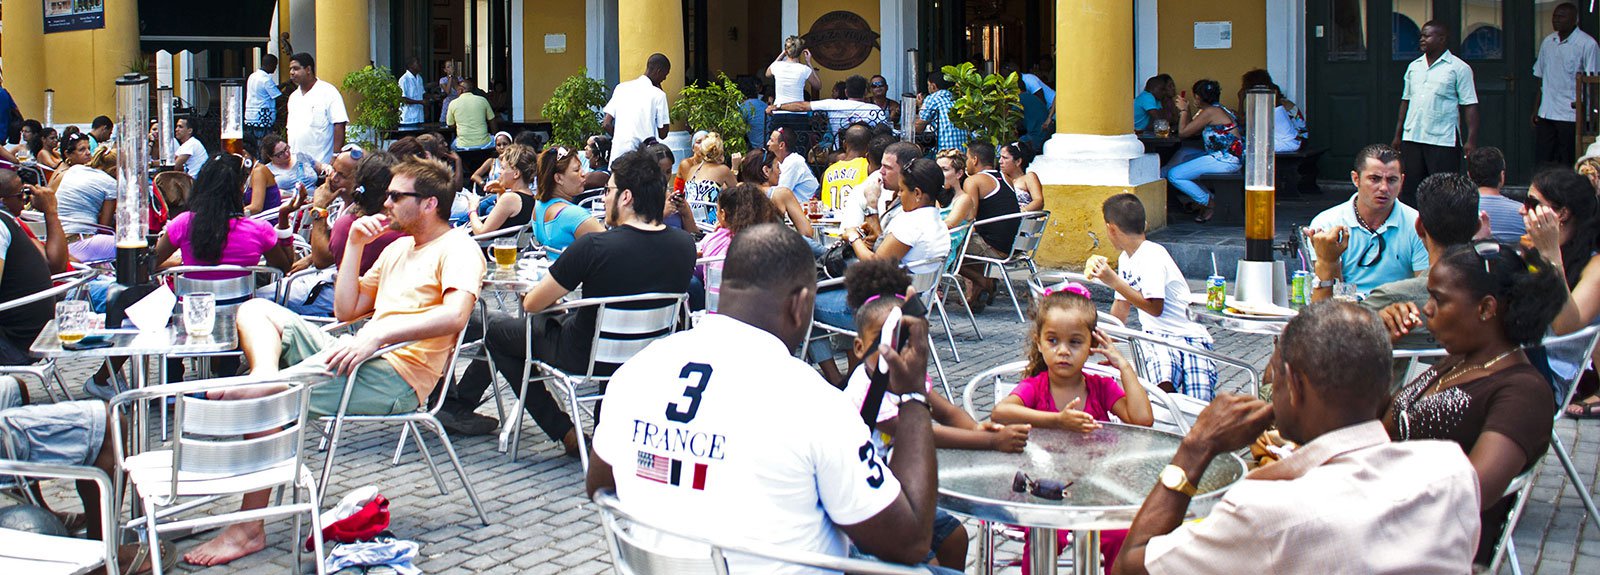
[(1298, 287), (1216, 293)]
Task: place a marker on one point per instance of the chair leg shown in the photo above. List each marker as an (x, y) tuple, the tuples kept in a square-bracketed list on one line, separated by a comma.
[(427, 457), (962, 292), (1506, 547), (1511, 553), (571, 389), (516, 428), (938, 367), (333, 446), (1005, 278), (400, 446), (985, 548), (153, 537), (294, 497), (50, 366), (1572, 475), (316, 527), (472, 493)]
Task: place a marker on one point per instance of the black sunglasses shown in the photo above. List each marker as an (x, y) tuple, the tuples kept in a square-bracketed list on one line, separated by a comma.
[(395, 196), (1363, 261)]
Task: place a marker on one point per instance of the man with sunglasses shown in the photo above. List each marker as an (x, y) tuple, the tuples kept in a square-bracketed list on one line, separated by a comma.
[(420, 290), (1447, 216), (1372, 239)]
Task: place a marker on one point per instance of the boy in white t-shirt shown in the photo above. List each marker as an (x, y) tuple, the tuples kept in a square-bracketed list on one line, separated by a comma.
[(1147, 279)]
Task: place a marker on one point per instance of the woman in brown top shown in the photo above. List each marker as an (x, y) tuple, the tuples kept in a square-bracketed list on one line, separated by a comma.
[(1485, 302)]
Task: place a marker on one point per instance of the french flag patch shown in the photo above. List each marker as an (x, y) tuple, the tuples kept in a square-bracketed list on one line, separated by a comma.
[(670, 471)]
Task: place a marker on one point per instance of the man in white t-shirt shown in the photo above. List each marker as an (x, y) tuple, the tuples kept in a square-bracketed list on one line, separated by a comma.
[(719, 432), (842, 113), (1147, 279), (413, 93), (793, 173), (191, 154), (261, 95), (316, 112), (638, 108)]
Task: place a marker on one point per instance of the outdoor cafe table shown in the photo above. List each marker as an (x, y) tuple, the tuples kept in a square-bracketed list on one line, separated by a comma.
[(1111, 469), (141, 346)]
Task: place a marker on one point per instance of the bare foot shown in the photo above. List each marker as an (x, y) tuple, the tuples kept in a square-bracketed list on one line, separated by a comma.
[(238, 540)]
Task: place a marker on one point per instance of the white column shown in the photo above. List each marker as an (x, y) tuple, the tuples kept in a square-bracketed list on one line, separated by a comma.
[(891, 42), (518, 98), (598, 46), (1286, 46), (791, 18), (1146, 42), (303, 26)]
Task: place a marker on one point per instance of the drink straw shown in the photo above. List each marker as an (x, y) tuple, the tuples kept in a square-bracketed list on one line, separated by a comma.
[(1214, 264)]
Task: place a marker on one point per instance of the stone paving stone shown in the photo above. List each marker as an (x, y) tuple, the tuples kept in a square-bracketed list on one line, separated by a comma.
[(542, 522)]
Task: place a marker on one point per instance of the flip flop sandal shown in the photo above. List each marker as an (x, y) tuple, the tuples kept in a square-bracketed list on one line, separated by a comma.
[(169, 559), (1205, 215), (1586, 410)]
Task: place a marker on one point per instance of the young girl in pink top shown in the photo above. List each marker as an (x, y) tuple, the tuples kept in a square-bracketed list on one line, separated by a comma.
[(1059, 395)]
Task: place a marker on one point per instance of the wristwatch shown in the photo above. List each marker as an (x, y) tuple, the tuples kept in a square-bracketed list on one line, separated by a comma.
[(1324, 284), (1173, 477), (913, 396)]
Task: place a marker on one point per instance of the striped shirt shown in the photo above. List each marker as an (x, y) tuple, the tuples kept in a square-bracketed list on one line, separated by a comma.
[(936, 111)]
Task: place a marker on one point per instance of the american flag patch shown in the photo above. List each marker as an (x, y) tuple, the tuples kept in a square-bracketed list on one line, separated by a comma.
[(669, 471)]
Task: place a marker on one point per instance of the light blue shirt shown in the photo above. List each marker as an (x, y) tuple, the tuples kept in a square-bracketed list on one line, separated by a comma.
[(1436, 93), (411, 87), (260, 100), (1031, 83), (1142, 104), (1403, 253)]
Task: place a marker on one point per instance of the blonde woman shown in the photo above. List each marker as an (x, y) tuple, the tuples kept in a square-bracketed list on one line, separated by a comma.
[(959, 205), (790, 76), (709, 177), (520, 164)]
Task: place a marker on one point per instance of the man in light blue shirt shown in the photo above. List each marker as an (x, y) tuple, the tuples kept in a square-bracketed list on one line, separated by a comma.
[(261, 95), (1438, 91), (412, 92), (1372, 239)]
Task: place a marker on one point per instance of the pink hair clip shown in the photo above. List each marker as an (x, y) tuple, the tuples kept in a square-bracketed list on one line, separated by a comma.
[(874, 298), (1068, 287)]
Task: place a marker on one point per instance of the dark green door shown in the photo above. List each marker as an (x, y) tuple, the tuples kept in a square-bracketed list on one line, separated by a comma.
[(1359, 51)]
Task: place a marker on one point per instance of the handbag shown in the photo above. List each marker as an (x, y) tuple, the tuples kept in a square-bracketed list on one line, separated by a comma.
[(836, 258)]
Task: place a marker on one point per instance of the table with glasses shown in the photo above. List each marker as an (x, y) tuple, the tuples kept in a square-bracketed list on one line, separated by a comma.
[(1111, 471)]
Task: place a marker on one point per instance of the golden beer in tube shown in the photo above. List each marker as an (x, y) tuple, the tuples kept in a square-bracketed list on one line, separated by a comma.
[(233, 145)]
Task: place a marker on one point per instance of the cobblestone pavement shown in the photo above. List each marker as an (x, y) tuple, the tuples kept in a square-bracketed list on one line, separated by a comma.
[(541, 522)]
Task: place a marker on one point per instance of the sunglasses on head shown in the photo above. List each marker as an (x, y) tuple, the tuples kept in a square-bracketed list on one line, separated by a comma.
[(355, 151)]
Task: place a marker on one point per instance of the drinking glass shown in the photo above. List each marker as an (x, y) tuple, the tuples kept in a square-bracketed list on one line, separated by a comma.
[(72, 320), (1162, 128), (199, 313), (505, 253)]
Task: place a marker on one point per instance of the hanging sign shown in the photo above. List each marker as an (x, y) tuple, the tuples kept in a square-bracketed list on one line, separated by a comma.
[(68, 15)]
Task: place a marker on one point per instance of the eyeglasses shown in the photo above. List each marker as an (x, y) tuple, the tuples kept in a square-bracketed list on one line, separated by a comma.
[(1365, 262), (355, 151), (395, 196), (281, 153), (879, 84)]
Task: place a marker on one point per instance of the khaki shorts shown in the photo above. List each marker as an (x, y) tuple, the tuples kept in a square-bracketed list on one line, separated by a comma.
[(378, 390)]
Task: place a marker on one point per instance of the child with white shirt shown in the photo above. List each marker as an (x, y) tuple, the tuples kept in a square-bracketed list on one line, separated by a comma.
[(1148, 280)]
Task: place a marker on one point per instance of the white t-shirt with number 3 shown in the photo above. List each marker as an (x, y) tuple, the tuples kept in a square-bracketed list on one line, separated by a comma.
[(718, 432)]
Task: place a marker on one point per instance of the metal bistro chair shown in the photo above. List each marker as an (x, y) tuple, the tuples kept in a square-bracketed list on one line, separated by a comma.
[(633, 554), (831, 330), (624, 325), (211, 456), (1522, 485), (35, 554), (1005, 378), (959, 237), (926, 285), (45, 371), (425, 414), (713, 284), (1030, 232)]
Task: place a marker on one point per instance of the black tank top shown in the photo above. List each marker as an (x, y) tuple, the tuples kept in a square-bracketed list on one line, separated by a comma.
[(1002, 201), (26, 273), (524, 215)]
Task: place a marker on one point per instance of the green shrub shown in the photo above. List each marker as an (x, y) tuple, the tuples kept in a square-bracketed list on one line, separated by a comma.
[(988, 106), (574, 110), (714, 107)]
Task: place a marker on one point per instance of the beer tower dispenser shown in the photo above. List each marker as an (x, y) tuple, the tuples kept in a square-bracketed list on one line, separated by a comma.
[(165, 143), (233, 117), (1261, 279), (133, 198)]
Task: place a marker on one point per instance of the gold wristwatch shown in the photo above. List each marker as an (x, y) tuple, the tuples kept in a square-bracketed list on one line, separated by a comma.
[(1175, 479)]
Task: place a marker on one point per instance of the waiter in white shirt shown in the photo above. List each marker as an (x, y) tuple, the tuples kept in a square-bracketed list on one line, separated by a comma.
[(412, 92), (316, 112), (261, 95), (1563, 55), (638, 108), (720, 432)]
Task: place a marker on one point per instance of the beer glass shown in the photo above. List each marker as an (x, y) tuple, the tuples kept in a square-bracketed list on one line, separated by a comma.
[(199, 313)]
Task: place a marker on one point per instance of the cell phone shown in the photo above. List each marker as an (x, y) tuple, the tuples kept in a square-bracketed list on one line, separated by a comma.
[(88, 342), (890, 335)]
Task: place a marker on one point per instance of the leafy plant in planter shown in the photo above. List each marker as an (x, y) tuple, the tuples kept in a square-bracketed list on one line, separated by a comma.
[(988, 106), (574, 110), (714, 107), (378, 104)]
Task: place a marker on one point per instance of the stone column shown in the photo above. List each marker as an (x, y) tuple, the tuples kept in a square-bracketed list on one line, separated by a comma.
[(1094, 153), (343, 43), (23, 45), (645, 27)]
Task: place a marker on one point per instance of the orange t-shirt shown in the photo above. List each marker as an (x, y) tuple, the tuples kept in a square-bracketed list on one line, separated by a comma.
[(409, 280)]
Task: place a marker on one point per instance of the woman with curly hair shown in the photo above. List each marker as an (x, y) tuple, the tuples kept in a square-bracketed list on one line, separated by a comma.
[(742, 206)]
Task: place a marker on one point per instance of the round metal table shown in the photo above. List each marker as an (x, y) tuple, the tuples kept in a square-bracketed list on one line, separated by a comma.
[(1112, 471), (1238, 323)]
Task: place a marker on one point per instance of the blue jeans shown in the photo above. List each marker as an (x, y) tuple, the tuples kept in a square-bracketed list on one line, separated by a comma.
[(1182, 175), (831, 308)]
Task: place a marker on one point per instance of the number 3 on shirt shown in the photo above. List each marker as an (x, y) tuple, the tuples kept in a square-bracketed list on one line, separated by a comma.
[(679, 414), (869, 455)]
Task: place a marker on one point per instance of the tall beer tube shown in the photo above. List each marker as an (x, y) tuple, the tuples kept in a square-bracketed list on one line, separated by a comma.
[(233, 117), (165, 151), (133, 178), (1259, 174)]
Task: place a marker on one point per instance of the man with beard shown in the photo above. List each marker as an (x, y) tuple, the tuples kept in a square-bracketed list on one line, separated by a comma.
[(1372, 239), (415, 292)]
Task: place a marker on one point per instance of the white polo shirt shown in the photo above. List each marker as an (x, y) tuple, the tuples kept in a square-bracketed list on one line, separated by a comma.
[(197, 156), (1436, 93), (796, 175), (719, 432), (1558, 65), (312, 115), (638, 110)]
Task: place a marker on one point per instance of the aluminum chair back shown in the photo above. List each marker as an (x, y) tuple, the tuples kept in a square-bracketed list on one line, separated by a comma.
[(1004, 377), (622, 332), (209, 433), (229, 291), (712, 267), (1030, 232), (959, 236), (631, 555), (924, 282)]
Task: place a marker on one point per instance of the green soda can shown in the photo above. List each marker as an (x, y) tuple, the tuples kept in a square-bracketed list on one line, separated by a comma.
[(1216, 293), (1298, 287)]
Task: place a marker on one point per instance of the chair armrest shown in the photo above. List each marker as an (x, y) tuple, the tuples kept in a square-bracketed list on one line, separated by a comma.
[(108, 506), (73, 279), (338, 325), (599, 301), (1249, 369)]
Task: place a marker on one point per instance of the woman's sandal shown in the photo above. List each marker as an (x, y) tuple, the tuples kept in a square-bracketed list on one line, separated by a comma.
[(1584, 410), (169, 559), (1205, 215)]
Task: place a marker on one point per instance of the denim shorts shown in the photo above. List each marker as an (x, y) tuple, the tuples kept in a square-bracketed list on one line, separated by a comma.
[(65, 433), (944, 524)]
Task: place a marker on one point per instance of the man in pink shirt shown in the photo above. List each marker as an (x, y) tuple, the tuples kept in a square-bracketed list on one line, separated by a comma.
[(1346, 501)]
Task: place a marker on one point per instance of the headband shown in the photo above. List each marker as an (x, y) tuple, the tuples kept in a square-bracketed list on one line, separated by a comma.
[(1068, 287)]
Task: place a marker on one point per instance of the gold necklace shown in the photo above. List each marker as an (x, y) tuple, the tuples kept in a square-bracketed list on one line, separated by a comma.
[(1453, 373)]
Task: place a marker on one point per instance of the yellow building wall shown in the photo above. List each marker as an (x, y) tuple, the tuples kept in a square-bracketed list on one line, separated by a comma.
[(82, 66), (1178, 57), (1075, 213), (542, 72), (811, 10)]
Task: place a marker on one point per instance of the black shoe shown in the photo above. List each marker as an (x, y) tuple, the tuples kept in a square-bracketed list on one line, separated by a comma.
[(467, 422)]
